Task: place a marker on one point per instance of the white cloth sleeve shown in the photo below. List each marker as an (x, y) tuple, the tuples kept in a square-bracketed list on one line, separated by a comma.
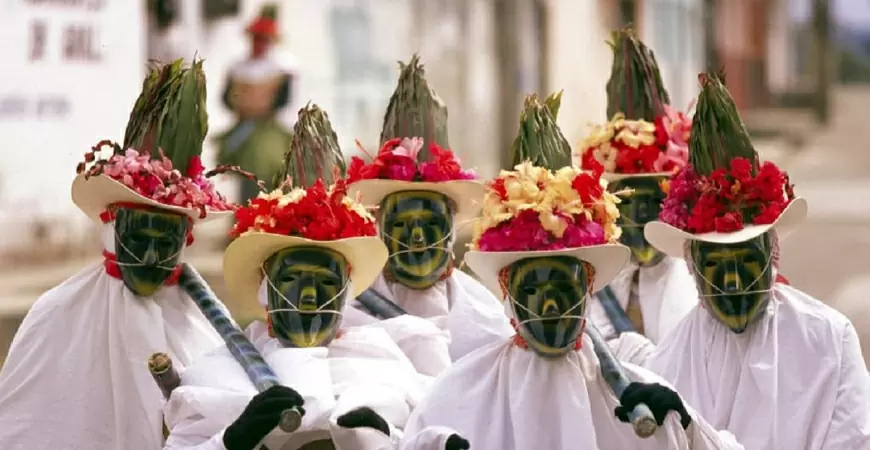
[(632, 347), (421, 340), (702, 436), (188, 429), (850, 422)]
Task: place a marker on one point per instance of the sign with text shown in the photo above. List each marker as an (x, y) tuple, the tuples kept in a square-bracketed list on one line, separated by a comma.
[(71, 70)]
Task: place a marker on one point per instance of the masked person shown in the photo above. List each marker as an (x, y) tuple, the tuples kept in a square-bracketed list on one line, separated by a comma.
[(76, 376), (421, 204), (303, 255), (256, 91), (643, 144), (546, 240), (761, 359)]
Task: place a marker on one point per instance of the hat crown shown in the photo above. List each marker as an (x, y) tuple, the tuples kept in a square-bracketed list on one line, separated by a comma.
[(635, 87)]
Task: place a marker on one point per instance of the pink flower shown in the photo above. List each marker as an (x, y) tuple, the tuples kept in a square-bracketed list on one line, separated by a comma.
[(409, 147)]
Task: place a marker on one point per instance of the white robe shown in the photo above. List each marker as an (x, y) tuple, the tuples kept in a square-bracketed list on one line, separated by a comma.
[(76, 377), (667, 293), (502, 397), (794, 380), (363, 367), (466, 316)]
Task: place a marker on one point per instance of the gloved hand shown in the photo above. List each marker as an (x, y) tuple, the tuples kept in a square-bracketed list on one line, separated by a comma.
[(363, 417), (260, 417), (457, 442), (660, 400)]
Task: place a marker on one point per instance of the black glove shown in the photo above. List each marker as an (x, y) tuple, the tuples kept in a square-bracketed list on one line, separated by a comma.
[(260, 417), (457, 442), (364, 417), (660, 399)]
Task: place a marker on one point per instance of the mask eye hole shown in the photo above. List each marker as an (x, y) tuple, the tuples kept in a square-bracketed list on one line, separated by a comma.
[(751, 259), (434, 223), (399, 224), (289, 278), (710, 264), (529, 290), (329, 282)]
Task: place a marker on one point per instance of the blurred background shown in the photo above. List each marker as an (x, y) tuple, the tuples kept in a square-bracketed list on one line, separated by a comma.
[(798, 70)]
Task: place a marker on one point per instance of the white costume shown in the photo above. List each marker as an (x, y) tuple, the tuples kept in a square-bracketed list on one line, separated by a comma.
[(362, 367), (795, 379), (76, 377), (465, 313), (502, 397), (665, 295)]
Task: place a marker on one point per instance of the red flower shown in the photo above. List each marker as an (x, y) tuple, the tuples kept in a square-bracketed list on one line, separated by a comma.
[(661, 133), (195, 167), (588, 187), (639, 160), (319, 215), (728, 222), (394, 163), (769, 213), (498, 186)]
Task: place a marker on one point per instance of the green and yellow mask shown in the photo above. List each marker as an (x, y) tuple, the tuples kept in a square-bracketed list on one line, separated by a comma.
[(148, 246), (734, 280), (548, 299), (306, 294), (635, 211), (417, 227)]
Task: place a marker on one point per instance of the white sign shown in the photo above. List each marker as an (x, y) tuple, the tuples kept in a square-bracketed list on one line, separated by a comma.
[(71, 70)]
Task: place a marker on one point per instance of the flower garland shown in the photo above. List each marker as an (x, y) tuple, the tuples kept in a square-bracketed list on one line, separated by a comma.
[(155, 179), (726, 200), (531, 209), (315, 213), (637, 146), (397, 160)]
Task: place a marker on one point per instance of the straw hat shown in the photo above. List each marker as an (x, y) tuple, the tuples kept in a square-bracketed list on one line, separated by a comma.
[(720, 144), (161, 149)]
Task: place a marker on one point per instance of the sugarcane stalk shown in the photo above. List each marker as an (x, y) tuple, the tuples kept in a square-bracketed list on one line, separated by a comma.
[(635, 87), (540, 140), (314, 150), (415, 109), (170, 113), (718, 133)]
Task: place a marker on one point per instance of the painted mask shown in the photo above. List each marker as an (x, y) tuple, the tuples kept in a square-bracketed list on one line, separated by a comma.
[(734, 280), (548, 299), (637, 210), (417, 226), (306, 294), (148, 246)]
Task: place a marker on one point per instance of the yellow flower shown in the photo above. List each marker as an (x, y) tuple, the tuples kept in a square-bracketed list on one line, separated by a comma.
[(636, 133), (357, 208), (292, 197)]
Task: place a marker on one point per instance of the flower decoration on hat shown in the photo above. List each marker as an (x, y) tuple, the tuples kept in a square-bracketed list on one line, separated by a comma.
[(645, 134), (398, 160), (532, 208), (725, 187), (159, 163), (314, 213)]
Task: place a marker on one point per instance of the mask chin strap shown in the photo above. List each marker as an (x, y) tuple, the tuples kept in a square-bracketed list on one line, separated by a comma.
[(294, 309), (439, 244), (747, 290), (771, 265), (519, 341), (139, 263)]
